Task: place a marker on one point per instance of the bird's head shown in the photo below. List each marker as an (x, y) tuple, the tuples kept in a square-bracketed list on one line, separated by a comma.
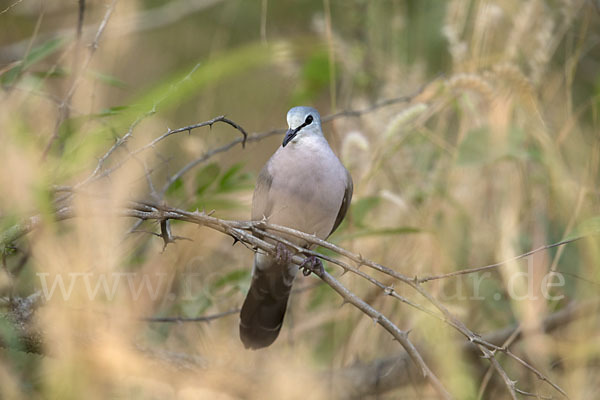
[(302, 122)]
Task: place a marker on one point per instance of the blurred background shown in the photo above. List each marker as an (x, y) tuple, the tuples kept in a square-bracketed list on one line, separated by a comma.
[(484, 147)]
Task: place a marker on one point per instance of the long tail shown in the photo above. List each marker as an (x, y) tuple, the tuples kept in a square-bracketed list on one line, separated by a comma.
[(264, 308)]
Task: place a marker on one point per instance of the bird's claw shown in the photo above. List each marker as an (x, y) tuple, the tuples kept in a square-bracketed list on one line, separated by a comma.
[(282, 254), (312, 264)]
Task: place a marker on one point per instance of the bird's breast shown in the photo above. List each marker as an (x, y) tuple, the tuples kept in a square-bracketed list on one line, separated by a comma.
[(307, 189)]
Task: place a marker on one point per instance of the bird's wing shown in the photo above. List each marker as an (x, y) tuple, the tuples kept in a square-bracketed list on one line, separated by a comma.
[(345, 203), (261, 205)]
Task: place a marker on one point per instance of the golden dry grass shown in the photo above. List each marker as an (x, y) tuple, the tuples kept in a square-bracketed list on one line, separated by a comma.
[(498, 155)]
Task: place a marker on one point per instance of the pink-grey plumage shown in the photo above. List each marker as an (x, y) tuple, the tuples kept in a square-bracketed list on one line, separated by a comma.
[(303, 186)]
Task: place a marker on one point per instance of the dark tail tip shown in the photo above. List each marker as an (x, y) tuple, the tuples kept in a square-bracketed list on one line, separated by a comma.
[(261, 318)]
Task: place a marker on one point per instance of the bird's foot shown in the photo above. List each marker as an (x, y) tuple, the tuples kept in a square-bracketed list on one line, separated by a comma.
[(282, 254), (312, 264)]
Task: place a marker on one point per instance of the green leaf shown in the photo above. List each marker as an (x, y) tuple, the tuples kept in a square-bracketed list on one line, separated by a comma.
[(181, 87), (315, 71), (215, 203), (321, 295), (196, 307), (239, 277), (315, 77), (229, 174), (42, 51), (107, 112), (232, 179), (361, 207), (326, 252), (176, 188), (401, 230), (109, 79), (206, 176), (158, 333), (57, 72), (35, 55), (590, 226), (176, 89)]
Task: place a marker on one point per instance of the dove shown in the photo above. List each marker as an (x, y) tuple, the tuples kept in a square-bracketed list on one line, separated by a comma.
[(303, 186)]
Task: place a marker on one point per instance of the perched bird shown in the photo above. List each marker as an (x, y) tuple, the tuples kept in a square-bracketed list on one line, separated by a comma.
[(303, 186)]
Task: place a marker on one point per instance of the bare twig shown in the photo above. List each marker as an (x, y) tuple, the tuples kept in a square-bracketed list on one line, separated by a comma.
[(249, 232), (7, 9), (400, 335), (24, 227), (385, 374), (209, 123), (485, 347), (80, 15), (167, 236), (376, 106), (239, 231), (63, 108), (235, 229), (177, 359), (256, 137), (498, 264), (98, 173), (204, 318), (489, 372), (186, 168)]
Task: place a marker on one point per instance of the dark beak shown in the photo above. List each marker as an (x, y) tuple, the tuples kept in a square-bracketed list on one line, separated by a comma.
[(289, 135)]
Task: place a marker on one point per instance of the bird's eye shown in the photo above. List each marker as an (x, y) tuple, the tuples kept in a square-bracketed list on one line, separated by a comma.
[(308, 120)]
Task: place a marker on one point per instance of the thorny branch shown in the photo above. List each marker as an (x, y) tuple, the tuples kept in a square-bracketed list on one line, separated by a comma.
[(244, 232), (496, 265), (248, 232), (361, 379), (99, 173), (205, 318), (252, 234), (262, 229), (241, 231), (63, 108), (19, 230), (385, 374)]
